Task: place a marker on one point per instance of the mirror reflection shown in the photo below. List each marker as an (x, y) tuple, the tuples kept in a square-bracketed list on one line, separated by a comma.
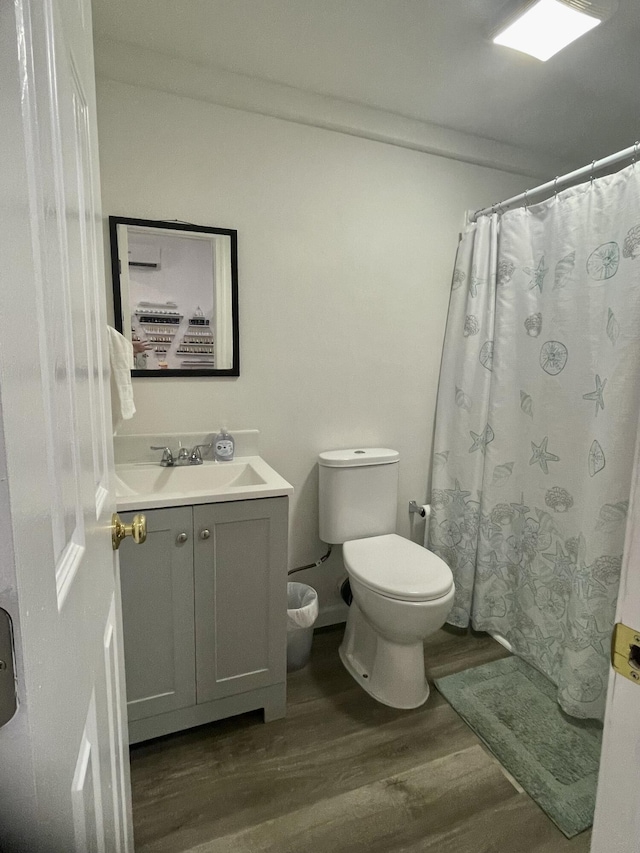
[(175, 296)]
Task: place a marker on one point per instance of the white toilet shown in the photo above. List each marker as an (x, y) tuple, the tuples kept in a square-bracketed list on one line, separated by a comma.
[(401, 591)]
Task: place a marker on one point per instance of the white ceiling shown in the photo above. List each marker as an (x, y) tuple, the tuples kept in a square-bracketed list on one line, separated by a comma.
[(423, 59)]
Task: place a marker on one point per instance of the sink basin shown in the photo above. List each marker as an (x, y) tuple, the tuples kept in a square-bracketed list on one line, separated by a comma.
[(148, 485), (145, 479)]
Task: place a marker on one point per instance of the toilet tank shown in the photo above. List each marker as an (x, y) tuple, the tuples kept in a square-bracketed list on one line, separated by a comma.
[(358, 493)]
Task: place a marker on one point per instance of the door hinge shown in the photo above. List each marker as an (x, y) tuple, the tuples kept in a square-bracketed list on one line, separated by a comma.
[(625, 652)]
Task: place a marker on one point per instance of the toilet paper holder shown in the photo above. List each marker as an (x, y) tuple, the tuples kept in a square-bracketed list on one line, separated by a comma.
[(413, 507)]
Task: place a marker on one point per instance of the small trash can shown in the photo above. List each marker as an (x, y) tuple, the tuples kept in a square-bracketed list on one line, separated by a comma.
[(302, 612)]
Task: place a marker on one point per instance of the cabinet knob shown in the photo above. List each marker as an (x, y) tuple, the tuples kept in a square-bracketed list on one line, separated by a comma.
[(181, 537), (205, 534)]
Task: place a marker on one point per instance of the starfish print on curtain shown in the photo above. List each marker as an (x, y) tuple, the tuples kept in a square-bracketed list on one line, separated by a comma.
[(541, 457), (597, 395), (537, 274)]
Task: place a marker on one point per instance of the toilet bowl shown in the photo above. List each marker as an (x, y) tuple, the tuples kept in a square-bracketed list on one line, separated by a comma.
[(402, 593)]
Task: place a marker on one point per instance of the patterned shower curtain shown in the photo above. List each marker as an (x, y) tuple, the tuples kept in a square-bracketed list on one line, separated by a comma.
[(537, 413)]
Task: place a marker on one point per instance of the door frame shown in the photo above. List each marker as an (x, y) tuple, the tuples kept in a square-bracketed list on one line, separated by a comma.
[(616, 826)]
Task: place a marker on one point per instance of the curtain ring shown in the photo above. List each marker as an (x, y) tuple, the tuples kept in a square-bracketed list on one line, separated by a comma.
[(555, 186), (593, 163), (635, 151), (526, 203)]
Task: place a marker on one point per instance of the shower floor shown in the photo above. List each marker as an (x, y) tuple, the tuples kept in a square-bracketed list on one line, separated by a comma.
[(340, 773)]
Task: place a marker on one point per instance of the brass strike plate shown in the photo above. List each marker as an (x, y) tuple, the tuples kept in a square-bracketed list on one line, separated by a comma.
[(625, 652)]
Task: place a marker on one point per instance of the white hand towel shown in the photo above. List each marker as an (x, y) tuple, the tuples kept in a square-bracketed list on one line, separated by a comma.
[(121, 358)]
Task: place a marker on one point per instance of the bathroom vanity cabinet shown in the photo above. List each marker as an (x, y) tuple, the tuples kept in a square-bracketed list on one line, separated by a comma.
[(204, 612)]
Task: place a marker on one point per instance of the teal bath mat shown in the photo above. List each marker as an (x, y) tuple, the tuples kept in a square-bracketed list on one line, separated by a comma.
[(513, 709)]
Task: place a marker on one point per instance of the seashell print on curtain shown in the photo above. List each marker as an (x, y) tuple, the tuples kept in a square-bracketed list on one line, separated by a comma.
[(537, 413)]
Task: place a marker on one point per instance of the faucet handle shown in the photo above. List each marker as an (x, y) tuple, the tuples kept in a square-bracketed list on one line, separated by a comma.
[(167, 455), (195, 457)]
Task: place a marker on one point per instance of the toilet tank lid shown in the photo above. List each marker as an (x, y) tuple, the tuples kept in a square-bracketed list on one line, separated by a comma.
[(358, 456)]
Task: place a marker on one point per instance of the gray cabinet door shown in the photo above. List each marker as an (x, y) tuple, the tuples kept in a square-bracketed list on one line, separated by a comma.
[(157, 610), (240, 595)]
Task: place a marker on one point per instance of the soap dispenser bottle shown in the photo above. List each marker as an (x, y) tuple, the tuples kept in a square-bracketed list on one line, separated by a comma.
[(224, 446)]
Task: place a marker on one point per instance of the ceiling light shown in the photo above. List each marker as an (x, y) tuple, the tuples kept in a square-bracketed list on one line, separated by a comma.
[(544, 27)]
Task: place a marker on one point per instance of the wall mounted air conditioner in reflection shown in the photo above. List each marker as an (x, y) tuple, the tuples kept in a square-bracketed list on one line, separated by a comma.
[(145, 256)]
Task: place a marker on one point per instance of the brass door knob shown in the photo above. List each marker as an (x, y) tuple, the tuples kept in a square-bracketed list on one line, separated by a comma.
[(137, 530)]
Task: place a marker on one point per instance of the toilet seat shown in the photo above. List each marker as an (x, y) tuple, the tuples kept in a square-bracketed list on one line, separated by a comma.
[(397, 568)]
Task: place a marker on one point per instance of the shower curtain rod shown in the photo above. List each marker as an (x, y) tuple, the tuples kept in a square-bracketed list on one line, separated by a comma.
[(583, 172)]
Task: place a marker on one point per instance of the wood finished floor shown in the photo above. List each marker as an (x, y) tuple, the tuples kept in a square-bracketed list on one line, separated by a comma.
[(340, 773)]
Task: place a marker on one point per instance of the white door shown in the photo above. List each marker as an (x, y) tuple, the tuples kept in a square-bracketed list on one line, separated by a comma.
[(64, 773), (617, 820)]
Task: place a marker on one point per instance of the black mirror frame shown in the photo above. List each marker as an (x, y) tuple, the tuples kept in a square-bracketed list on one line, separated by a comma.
[(114, 221)]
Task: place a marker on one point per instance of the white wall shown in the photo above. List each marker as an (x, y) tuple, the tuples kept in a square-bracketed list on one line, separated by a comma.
[(346, 248)]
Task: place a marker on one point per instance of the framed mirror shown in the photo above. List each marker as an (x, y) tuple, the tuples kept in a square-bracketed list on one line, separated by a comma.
[(175, 294)]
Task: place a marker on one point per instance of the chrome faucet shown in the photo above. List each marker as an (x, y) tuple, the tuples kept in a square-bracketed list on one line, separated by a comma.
[(167, 460), (184, 457), (195, 457)]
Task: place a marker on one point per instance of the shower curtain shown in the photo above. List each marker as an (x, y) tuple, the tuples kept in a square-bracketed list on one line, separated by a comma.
[(537, 413)]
